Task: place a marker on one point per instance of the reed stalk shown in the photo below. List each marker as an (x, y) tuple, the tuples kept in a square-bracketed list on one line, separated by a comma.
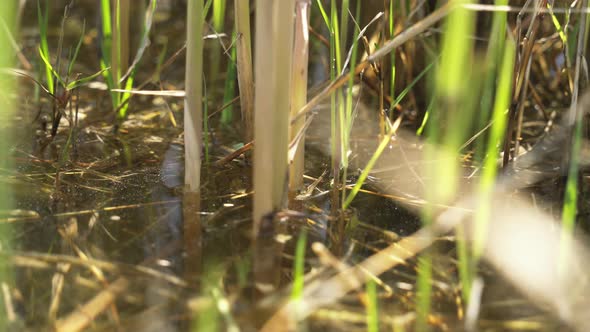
[(244, 65), (299, 91), (193, 103), (273, 63)]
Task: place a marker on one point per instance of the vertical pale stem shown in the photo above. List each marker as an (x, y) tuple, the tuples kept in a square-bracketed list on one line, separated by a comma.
[(193, 103), (274, 42), (244, 65), (299, 90)]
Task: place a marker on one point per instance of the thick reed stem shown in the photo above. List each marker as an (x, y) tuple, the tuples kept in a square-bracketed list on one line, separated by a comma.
[(193, 103)]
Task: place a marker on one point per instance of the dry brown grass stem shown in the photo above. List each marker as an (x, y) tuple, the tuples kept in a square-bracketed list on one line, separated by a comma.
[(83, 316), (244, 66), (299, 91)]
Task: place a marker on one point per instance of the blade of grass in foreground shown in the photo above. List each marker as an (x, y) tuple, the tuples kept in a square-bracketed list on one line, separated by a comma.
[(372, 307), (495, 140), (449, 124), (7, 88), (570, 209)]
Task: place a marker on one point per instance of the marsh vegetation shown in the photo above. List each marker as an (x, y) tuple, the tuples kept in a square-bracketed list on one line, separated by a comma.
[(294, 165)]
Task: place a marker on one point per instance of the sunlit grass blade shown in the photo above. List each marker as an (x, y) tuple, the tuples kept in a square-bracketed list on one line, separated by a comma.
[(8, 87), (43, 17), (74, 56), (299, 266), (48, 65), (423, 292), (495, 140), (450, 120), (83, 81), (372, 307), (575, 119)]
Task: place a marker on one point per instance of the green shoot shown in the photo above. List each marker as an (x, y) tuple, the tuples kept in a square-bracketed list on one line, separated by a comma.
[(43, 17), (423, 292), (299, 266), (372, 307), (230, 86), (570, 204)]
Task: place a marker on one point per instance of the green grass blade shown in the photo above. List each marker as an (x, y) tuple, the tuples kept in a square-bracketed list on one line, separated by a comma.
[(372, 307), (50, 67), (299, 266), (76, 50), (230, 86), (85, 80), (423, 292), (206, 8), (324, 15), (495, 139), (365, 173), (42, 19)]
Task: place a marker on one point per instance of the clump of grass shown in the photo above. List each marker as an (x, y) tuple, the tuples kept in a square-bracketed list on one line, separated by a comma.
[(118, 73)]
